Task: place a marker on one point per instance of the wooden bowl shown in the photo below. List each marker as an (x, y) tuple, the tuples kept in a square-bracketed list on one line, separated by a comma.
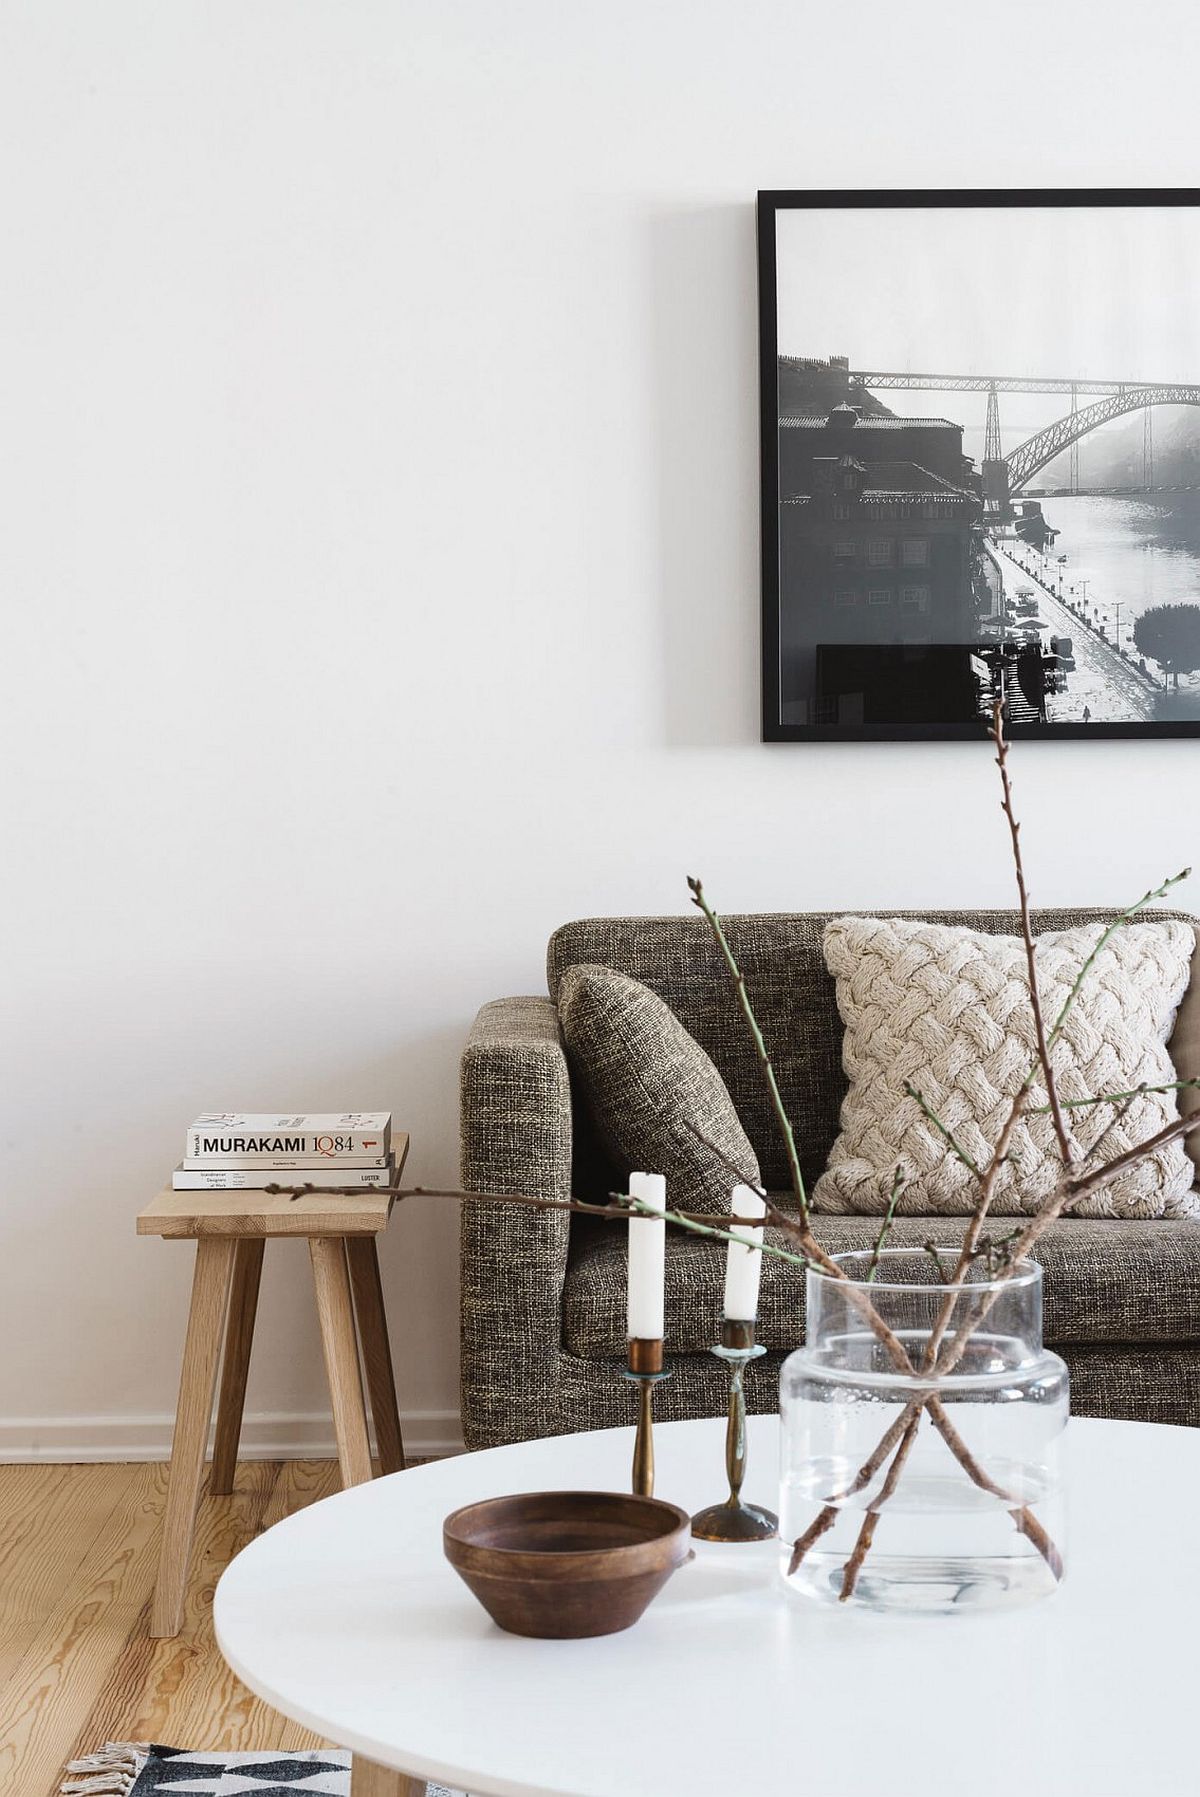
[(566, 1564)]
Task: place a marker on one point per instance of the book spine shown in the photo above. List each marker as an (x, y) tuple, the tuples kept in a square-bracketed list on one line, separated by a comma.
[(232, 1179), (267, 1164), (213, 1147)]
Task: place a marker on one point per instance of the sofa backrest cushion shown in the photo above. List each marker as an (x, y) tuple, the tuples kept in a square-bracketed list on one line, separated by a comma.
[(792, 993)]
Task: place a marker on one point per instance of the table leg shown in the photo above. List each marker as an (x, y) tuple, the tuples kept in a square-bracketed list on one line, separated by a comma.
[(340, 1343), (239, 1333), (363, 1256), (201, 1348), (369, 1780)]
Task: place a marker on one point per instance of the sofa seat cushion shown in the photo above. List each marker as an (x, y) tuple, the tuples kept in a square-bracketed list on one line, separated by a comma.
[(1105, 1281)]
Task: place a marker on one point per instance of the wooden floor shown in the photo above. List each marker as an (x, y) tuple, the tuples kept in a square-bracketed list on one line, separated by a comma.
[(78, 1554)]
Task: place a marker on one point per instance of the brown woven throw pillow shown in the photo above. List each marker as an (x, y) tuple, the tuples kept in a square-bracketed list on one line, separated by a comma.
[(645, 1080), (947, 1011)]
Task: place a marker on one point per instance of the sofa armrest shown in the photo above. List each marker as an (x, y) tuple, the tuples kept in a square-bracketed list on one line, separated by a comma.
[(515, 1137)]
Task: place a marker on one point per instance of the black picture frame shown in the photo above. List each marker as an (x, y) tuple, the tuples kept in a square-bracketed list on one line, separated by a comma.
[(819, 726)]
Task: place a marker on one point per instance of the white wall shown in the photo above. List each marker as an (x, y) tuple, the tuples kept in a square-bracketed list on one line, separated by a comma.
[(379, 561)]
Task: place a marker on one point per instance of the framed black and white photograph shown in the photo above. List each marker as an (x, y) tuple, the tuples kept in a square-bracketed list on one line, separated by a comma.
[(980, 463)]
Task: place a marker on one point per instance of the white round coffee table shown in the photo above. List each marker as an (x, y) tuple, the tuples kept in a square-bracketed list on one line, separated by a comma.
[(347, 1618)]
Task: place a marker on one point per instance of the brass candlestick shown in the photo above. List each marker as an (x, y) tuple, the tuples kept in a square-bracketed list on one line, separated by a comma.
[(732, 1520), (645, 1370)]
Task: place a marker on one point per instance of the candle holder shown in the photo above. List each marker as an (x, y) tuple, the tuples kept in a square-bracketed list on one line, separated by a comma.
[(646, 1370), (732, 1520)]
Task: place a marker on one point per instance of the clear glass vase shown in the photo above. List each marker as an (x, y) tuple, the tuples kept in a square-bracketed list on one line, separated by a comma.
[(923, 1429)]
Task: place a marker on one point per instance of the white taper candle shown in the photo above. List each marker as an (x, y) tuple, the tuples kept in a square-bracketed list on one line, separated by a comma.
[(743, 1265), (647, 1259)]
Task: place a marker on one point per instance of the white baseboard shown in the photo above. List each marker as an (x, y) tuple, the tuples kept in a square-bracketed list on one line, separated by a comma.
[(278, 1435)]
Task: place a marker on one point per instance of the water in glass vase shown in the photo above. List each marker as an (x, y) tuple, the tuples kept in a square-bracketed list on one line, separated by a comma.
[(922, 1442)]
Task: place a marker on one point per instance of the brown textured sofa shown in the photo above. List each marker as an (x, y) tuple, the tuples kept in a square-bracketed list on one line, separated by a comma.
[(543, 1292)]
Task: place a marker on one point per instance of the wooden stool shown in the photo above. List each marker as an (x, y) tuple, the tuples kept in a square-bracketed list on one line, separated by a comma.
[(230, 1230)]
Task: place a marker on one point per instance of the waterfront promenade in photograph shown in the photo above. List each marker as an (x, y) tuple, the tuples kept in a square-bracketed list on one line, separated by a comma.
[(1100, 670)]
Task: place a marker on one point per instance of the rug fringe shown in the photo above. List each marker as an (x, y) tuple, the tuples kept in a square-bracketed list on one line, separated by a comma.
[(113, 1772)]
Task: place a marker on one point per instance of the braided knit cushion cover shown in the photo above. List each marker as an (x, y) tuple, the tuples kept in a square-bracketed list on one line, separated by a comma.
[(947, 1010), (649, 1086)]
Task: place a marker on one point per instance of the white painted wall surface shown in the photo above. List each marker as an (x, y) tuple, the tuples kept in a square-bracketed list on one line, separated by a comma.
[(379, 564)]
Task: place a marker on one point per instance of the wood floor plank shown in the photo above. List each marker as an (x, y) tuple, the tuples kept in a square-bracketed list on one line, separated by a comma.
[(78, 1557), (211, 1705), (170, 1689), (52, 1687), (49, 1517), (294, 1739), (302, 1482)]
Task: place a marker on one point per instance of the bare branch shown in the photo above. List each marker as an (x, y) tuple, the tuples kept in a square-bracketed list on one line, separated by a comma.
[(760, 1048), (1068, 1104), (1106, 936), (898, 1183), (1088, 1183), (683, 1220), (620, 1210), (866, 1533), (956, 1147), (1039, 1025), (739, 1175), (991, 1175), (1068, 1192), (820, 1525), (1114, 1122)]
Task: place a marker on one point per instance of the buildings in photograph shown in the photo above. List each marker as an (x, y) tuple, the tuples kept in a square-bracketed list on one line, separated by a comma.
[(880, 559)]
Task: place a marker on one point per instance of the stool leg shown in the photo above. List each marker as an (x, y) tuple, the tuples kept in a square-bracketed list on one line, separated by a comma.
[(340, 1343), (239, 1333), (201, 1348), (362, 1253), (369, 1780)]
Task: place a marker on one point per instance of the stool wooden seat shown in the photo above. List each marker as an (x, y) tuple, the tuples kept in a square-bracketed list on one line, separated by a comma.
[(231, 1230)]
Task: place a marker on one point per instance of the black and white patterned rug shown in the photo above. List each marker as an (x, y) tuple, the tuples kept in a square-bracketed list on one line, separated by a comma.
[(139, 1769)]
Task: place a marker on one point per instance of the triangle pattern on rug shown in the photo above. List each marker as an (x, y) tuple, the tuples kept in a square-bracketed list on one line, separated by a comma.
[(265, 1774), (140, 1769), (216, 1780)]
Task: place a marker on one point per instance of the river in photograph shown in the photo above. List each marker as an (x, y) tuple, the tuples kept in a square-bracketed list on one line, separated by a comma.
[(1138, 551)]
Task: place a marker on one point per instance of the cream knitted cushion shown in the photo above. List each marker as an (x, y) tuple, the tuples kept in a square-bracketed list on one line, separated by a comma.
[(948, 1011)]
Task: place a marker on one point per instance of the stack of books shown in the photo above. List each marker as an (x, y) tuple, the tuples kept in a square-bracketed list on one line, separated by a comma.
[(229, 1152)]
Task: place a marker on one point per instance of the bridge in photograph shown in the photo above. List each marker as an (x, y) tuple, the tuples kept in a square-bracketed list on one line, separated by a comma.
[(1005, 475)]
